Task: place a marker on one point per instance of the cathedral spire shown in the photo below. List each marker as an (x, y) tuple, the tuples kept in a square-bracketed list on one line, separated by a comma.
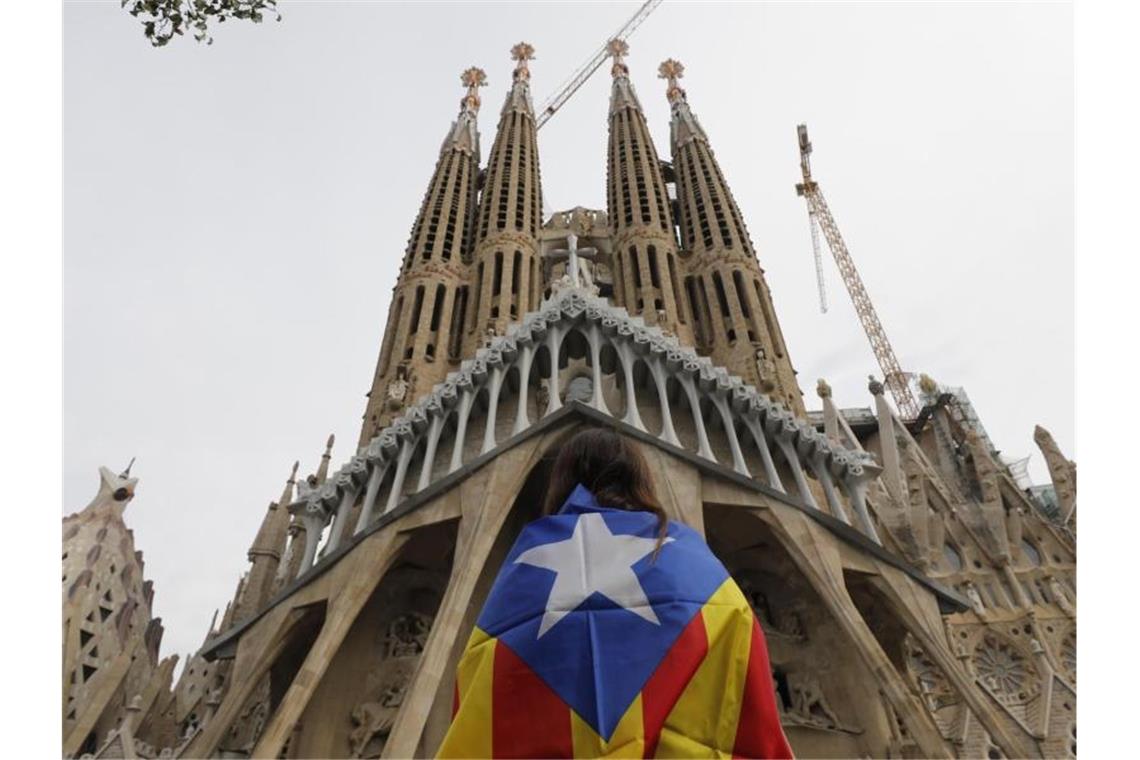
[(684, 125), (622, 95), (504, 279), (734, 320), (429, 303), (266, 551), (464, 134), (270, 538), (518, 97), (647, 270)]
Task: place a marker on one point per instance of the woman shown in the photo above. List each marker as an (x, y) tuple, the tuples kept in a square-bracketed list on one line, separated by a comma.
[(613, 632)]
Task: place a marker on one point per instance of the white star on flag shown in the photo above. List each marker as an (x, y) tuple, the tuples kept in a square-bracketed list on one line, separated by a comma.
[(592, 559)]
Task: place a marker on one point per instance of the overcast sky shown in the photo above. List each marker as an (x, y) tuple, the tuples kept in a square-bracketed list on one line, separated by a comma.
[(235, 216)]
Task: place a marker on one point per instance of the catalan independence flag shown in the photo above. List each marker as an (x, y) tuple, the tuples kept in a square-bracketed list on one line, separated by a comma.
[(594, 643)]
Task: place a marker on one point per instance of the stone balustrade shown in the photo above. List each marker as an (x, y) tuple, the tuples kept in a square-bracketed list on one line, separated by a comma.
[(692, 404)]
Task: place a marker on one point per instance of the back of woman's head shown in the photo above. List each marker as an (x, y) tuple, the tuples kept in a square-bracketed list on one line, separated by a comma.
[(611, 467)]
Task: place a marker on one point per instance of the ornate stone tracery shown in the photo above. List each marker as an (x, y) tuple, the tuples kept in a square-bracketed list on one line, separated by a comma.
[(1005, 671), (929, 679)]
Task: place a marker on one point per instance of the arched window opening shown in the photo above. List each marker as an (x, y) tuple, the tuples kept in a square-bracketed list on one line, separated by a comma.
[(532, 289), (951, 557), (458, 317), (433, 325), (745, 309), (516, 274), (722, 301), (1030, 552), (721, 298), (437, 307), (414, 323), (496, 284), (476, 301), (671, 261), (701, 327)]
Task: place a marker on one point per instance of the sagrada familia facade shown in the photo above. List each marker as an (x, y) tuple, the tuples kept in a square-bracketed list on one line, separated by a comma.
[(917, 601)]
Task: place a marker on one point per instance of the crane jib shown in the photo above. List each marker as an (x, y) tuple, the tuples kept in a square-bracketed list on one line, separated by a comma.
[(586, 70)]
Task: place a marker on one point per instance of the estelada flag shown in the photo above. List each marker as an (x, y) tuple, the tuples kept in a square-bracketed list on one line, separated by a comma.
[(595, 643)]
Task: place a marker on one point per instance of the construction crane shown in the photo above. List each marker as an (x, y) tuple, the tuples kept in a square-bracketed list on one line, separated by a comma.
[(819, 283), (586, 70), (819, 214)]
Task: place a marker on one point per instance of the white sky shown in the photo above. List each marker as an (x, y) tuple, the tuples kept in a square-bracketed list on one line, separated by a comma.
[(235, 216)]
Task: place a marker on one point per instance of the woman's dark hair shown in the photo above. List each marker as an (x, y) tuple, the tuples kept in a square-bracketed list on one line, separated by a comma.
[(611, 467)]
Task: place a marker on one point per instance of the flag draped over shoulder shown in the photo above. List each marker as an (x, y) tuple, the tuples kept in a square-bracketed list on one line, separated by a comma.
[(594, 643)]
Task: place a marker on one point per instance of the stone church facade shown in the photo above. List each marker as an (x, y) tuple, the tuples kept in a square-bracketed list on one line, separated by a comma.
[(917, 601)]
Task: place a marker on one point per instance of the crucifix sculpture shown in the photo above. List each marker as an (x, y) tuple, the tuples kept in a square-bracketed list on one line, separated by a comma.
[(579, 277)]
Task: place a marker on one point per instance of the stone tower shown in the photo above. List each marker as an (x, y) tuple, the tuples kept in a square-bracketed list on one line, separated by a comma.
[(429, 303), (266, 551), (916, 601), (505, 274), (646, 270), (733, 317), (111, 670)]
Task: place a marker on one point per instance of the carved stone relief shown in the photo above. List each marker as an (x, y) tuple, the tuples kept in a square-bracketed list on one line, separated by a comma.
[(397, 392), (1005, 671), (781, 622), (251, 721), (931, 681), (1069, 656), (401, 642)]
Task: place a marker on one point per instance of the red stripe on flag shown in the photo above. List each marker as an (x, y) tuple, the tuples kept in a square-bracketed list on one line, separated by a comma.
[(758, 730), (664, 687), (527, 718)]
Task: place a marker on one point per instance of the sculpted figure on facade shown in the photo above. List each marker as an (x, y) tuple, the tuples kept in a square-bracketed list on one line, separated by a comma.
[(766, 370), (397, 392), (372, 723), (975, 598), (809, 705), (407, 635), (1060, 595), (372, 719)]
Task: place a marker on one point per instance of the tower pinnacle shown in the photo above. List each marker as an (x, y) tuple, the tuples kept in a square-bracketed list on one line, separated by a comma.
[(672, 70), (473, 78), (522, 52), (618, 49), (622, 95)]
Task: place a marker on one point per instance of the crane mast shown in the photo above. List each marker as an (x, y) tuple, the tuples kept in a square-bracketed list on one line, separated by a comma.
[(893, 376), (815, 249), (586, 70)]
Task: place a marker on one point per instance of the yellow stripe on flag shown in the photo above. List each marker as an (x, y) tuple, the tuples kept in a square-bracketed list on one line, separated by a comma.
[(471, 736), (628, 739), (703, 721)]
